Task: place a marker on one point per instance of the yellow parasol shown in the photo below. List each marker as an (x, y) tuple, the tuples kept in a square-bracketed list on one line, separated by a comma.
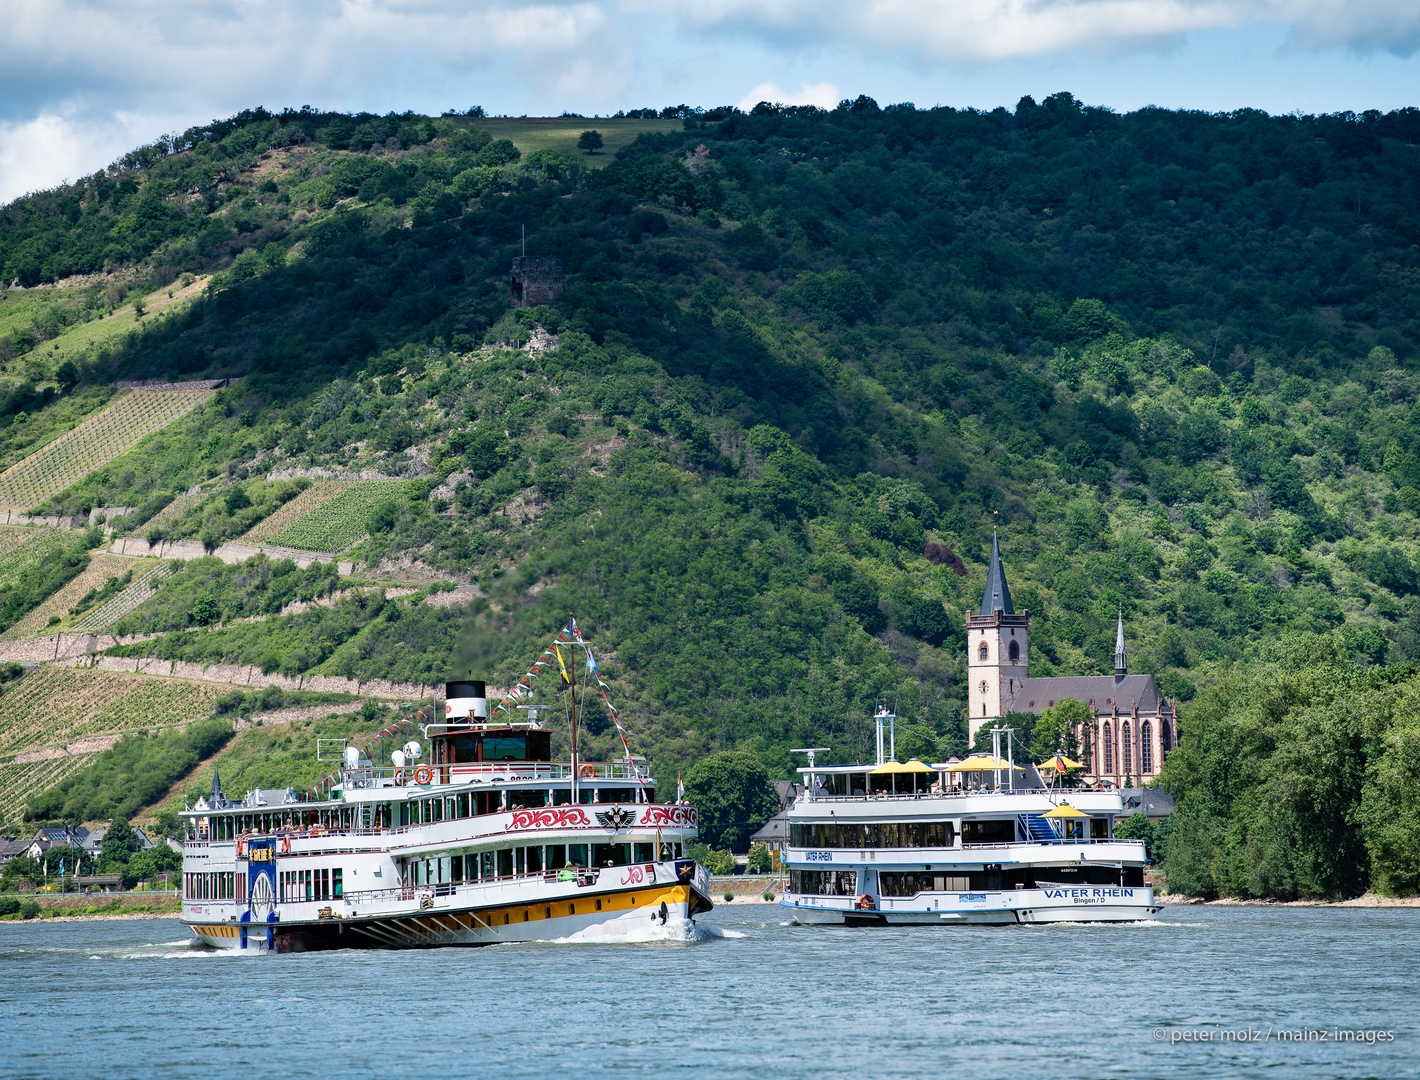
[(1059, 764), (891, 767), (982, 763), (1065, 810)]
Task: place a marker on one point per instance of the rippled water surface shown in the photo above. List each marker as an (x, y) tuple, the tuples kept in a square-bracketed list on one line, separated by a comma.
[(751, 996)]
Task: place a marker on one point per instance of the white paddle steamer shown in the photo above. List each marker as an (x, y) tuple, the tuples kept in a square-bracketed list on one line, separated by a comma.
[(489, 841)]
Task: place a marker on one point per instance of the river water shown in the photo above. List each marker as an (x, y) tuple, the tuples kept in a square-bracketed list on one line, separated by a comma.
[(751, 996)]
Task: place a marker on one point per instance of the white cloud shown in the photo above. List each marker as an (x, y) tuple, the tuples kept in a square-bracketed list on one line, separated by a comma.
[(958, 32), (58, 145), (824, 94)]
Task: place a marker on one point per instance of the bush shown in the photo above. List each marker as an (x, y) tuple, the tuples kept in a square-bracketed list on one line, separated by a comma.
[(729, 896), (9, 905), (29, 909)]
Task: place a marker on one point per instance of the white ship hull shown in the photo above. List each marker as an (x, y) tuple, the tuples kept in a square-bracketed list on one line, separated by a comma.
[(1085, 904), (657, 900)]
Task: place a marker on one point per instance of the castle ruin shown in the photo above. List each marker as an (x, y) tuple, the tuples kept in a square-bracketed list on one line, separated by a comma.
[(537, 279)]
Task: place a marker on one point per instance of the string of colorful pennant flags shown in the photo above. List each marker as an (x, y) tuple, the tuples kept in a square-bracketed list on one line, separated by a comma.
[(569, 636)]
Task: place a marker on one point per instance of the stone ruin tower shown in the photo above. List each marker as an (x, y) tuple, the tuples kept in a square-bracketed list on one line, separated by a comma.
[(537, 279)]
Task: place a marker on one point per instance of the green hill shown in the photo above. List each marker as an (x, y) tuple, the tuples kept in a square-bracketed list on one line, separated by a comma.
[(806, 362)]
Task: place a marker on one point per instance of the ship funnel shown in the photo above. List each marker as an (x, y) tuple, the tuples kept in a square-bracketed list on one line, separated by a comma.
[(466, 701)]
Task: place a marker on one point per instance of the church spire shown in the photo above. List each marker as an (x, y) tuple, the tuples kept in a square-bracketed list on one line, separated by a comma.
[(998, 596), (1121, 654), (217, 800)]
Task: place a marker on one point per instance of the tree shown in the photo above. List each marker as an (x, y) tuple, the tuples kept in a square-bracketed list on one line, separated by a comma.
[(1055, 731), (590, 141), (121, 842), (205, 611), (760, 861), (149, 865), (66, 374), (731, 790)]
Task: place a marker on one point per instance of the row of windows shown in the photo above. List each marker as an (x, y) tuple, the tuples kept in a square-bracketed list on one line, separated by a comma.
[(222, 885), (824, 882), (1013, 651), (1146, 746), (910, 883), (473, 803), (323, 883), (515, 862), (880, 834)]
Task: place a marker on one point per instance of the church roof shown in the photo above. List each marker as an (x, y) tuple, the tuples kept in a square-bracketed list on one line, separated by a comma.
[(997, 596), (1106, 691)]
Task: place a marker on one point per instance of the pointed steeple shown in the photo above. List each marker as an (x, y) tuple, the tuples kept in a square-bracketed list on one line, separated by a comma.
[(998, 596), (1121, 654), (217, 800)]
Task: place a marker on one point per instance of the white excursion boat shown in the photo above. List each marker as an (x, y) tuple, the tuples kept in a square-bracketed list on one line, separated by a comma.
[(900, 844), (490, 841)]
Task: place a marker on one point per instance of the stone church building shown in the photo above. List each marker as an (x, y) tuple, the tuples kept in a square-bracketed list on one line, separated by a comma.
[(1134, 726)]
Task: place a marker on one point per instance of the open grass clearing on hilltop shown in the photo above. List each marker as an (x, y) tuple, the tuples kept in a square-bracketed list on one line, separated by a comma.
[(93, 443), (52, 706), (530, 134), (81, 339)]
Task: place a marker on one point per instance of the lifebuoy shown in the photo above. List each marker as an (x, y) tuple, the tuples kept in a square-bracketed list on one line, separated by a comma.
[(399, 778), (587, 772), (865, 903), (423, 774)]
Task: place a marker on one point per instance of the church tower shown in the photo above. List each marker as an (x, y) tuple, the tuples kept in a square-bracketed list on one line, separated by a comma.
[(997, 657)]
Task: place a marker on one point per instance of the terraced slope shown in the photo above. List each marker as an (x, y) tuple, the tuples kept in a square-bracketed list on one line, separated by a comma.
[(102, 566), (36, 545), (307, 502), (93, 443), (19, 781), (101, 618), (339, 522), (55, 706)]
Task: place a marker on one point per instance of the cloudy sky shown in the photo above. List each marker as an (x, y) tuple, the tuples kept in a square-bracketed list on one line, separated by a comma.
[(81, 81)]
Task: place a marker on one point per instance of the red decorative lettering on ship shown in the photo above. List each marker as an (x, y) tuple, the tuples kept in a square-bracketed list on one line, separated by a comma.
[(550, 818), (634, 876), (671, 816)]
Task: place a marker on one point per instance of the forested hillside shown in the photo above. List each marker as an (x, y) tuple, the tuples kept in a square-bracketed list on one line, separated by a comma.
[(807, 361)]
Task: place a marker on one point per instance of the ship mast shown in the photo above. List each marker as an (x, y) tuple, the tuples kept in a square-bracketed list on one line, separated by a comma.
[(572, 682)]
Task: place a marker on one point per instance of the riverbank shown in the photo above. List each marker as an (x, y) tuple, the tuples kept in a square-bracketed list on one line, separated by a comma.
[(79, 908), (1369, 900)]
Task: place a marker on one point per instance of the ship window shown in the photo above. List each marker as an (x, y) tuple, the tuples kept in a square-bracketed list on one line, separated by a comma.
[(463, 805), (577, 854), (611, 854), (1099, 828), (547, 913), (824, 882), (988, 832), (456, 870), (337, 883), (505, 863), (643, 853), (599, 905), (556, 856), (571, 909)]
